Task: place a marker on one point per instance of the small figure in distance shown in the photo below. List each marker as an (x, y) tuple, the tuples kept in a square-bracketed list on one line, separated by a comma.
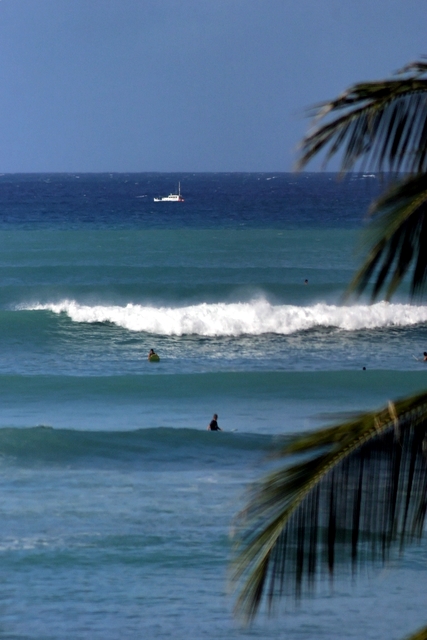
[(425, 356), (152, 356), (213, 425), (306, 281)]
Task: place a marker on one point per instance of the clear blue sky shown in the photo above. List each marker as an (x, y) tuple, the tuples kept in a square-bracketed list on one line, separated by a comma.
[(184, 85)]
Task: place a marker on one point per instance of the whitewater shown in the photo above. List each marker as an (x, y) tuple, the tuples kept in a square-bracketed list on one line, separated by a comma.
[(256, 317)]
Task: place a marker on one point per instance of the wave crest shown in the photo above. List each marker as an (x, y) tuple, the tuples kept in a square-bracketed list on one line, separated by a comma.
[(145, 448), (234, 319)]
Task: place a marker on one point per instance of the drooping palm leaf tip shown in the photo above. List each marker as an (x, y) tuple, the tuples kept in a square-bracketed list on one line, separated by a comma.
[(383, 126), (419, 635), (354, 493)]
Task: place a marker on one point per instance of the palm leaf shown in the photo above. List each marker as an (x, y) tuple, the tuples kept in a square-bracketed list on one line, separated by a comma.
[(384, 122), (355, 492), (398, 238), (419, 635)]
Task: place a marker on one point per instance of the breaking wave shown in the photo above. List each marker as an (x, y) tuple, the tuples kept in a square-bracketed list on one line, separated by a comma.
[(241, 318)]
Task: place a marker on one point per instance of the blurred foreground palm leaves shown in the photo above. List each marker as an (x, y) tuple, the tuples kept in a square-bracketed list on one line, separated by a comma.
[(353, 492), (383, 125)]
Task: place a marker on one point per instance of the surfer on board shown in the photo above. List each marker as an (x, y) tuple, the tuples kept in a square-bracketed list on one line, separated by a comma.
[(152, 356), (213, 425)]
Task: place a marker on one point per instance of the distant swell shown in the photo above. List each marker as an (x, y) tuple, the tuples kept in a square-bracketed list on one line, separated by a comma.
[(144, 448), (234, 319)]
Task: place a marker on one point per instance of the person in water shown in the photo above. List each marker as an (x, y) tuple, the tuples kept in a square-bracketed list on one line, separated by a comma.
[(152, 353), (213, 425), (425, 356)]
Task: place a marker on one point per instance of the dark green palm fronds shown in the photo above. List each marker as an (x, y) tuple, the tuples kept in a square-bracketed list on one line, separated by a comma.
[(419, 635), (398, 238), (384, 122), (384, 125), (354, 492)]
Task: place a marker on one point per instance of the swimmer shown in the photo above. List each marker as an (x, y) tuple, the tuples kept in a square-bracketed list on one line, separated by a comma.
[(213, 425)]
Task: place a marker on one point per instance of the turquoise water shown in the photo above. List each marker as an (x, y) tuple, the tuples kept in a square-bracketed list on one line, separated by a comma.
[(117, 504)]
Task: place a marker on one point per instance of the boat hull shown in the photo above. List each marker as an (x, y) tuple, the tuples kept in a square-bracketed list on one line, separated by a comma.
[(170, 198)]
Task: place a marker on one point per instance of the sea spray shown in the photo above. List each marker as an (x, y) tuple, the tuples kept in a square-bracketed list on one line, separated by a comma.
[(256, 317)]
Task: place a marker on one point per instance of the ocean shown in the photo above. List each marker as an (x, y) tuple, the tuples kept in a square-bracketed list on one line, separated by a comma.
[(116, 502)]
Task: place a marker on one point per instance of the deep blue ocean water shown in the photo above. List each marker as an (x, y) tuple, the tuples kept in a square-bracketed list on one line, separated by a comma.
[(116, 502)]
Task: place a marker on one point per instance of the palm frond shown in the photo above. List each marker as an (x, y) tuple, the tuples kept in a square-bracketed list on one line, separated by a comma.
[(384, 122), (418, 67), (399, 239), (419, 635), (356, 491)]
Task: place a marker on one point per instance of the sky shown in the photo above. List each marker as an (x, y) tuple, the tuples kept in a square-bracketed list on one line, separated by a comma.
[(185, 85)]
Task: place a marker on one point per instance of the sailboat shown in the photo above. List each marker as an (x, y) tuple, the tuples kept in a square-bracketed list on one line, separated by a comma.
[(172, 197)]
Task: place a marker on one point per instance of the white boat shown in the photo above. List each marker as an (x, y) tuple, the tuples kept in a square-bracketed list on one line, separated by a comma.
[(172, 197)]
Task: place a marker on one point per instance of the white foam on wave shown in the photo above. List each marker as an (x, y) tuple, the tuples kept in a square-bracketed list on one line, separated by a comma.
[(233, 319)]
